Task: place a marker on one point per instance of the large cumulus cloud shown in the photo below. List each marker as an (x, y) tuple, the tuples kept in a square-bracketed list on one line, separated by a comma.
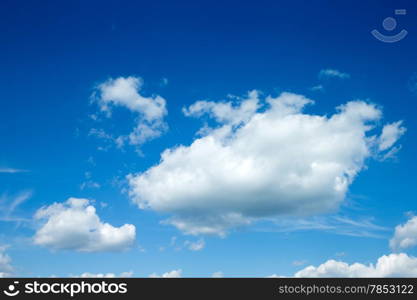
[(264, 159), (392, 265)]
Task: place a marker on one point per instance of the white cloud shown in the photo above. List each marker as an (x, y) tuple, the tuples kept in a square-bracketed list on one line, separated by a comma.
[(195, 246), (392, 265), (318, 87), (105, 275), (19, 199), (225, 112), (333, 73), (96, 275), (218, 274), (337, 224), (12, 171), (13, 202), (5, 263), (259, 163), (100, 133), (126, 274), (171, 274), (390, 134), (74, 225), (187, 244), (90, 185), (405, 235), (276, 276), (125, 92), (299, 262)]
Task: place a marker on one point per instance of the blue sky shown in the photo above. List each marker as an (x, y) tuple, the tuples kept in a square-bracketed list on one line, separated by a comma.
[(62, 64)]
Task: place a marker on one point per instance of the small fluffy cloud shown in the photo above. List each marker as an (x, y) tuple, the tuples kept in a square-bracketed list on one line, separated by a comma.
[(390, 134), (218, 274), (263, 160), (392, 265), (171, 274), (74, 225), (333, 73), (5, 263), (405, 235), (125, 92)]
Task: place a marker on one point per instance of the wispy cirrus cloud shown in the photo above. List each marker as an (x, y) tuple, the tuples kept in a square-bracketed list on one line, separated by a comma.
[(19, 199), (177, 245), (318, 87), (12, 170), (9, 203), (333, 73), (412, 83), (334, 224), (89, 183), (195, 246)]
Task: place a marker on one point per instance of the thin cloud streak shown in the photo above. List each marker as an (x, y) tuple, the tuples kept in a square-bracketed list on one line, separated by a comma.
[(12, 170)]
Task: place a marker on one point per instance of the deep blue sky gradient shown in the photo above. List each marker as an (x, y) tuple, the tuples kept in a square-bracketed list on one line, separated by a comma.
[(53, 53)]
